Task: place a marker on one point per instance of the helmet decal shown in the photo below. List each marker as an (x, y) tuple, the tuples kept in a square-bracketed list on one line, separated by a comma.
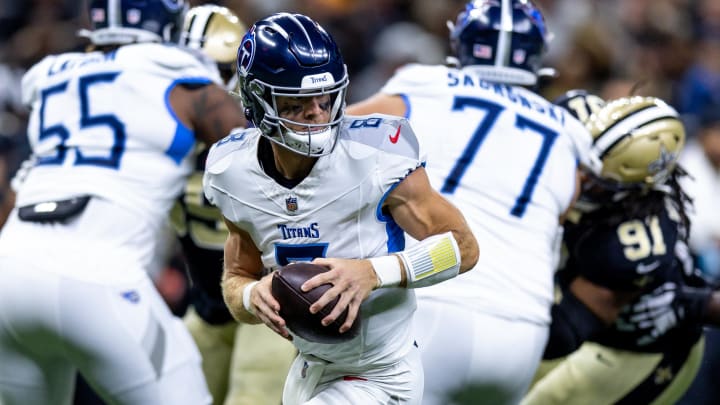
[(246, 54), (175, 5), (664, 161), (133, 16)]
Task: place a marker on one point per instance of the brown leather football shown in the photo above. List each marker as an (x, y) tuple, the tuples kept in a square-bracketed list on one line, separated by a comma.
[(295, 305)]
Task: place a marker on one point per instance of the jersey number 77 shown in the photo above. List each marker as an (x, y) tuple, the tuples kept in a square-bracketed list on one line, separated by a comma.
[(493, 111)]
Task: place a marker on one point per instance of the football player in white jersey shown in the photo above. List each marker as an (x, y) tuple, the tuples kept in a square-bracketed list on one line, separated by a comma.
[(309, 183), (235, 375), (507, 158), (112, 132)]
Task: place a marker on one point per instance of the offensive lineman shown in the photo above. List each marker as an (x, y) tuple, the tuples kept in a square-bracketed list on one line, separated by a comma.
[(507, 158), (112, 132)]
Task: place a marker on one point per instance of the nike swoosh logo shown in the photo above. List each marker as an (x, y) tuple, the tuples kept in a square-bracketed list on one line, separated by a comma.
[(643, 268), (395, 138)]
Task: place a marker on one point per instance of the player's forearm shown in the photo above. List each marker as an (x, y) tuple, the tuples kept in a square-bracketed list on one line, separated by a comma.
[(469, 249), (233, 287), (428, 262)]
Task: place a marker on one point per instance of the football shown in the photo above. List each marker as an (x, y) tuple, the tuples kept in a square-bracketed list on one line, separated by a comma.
[(295, 305)]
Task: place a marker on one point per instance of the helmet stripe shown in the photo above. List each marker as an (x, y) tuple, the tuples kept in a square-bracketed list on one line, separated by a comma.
[(618, 122), (185, 36), (113, 17), (624, 127), (304, 31), (198, 27), (505, 34)]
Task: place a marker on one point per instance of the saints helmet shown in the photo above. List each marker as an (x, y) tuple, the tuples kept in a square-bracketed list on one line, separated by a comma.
[(291, 55), (580, 103), (503, 40), (119, 22), (638, 139), (215, 30)]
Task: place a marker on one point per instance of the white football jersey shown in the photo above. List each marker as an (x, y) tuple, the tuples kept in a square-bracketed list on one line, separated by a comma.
[(91, 132), (334, 212), (507, 159)]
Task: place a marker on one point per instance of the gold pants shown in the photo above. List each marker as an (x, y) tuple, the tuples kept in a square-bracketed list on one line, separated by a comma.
[(597, 374), (243, 364)]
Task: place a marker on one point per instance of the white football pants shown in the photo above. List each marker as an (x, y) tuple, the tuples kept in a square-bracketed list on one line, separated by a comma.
[(475, 358)]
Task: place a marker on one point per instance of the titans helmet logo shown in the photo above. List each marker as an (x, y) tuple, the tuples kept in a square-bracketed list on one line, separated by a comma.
[(246, 53), (174, 5)]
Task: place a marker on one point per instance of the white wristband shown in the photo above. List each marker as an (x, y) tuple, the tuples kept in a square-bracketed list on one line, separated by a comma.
[(246, 296), (388, 270), (431, 260)]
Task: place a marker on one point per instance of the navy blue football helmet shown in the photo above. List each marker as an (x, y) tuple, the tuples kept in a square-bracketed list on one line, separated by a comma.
[(291, 55), (503, 39), (129, 21)]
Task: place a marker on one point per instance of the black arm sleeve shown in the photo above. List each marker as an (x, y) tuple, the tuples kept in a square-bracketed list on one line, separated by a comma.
[(694, 302), (572, 324)]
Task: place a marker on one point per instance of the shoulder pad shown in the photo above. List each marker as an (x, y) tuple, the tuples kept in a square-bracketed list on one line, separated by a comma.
[(416, 78), (220, 154), (582, 142), (174, 59), (31, 80), (387, 133)]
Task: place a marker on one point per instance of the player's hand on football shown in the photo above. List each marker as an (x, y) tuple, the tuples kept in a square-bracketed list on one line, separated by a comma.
[(266, 307), (352, 280)]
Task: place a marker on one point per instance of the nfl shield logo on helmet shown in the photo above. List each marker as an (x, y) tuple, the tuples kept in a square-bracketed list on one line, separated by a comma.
[(133, 16), (519, 56), (97, 15), (291, 203)]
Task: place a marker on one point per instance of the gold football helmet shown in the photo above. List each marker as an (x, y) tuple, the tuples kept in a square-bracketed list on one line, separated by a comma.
[(217, 32), (638, 140)]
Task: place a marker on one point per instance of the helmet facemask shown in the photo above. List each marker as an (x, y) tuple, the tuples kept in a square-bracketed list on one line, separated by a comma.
[(313, 139), (299, 60)]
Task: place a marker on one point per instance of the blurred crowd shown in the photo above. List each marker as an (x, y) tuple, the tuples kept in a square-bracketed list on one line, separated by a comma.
[(663, 48)]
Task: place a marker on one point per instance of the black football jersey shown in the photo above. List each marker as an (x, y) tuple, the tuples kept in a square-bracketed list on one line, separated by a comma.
[(637, 254), (632, 255)]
